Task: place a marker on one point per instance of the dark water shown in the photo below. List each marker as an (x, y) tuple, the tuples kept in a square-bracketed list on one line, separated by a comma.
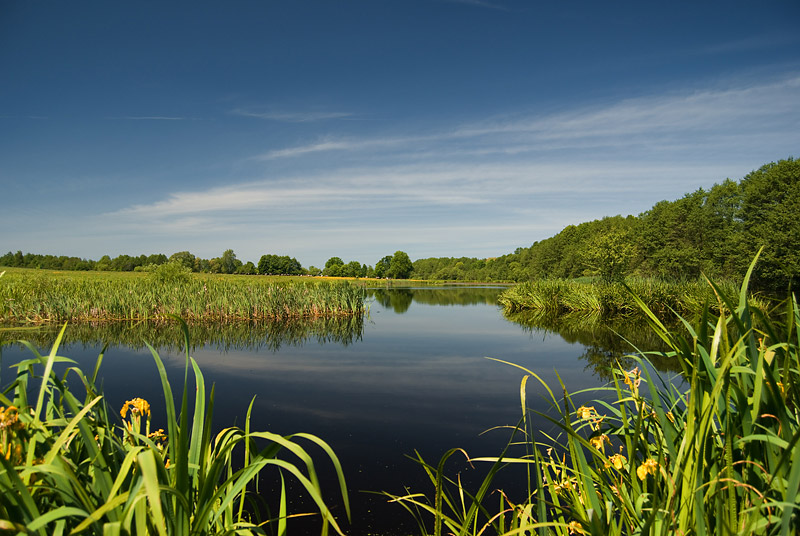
[(413, 376)]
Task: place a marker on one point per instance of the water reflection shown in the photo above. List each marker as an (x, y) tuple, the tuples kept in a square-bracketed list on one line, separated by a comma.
[(400, 299), (607, 341), (253, 336)]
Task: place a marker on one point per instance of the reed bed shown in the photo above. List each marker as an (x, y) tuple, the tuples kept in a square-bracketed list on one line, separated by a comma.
[(714, 453), (30, 297), (69, 464), (561, 295)]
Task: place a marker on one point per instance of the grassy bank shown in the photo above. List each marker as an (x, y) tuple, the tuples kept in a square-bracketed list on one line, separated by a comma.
[(713, 454), (34, 296), (562, 296)]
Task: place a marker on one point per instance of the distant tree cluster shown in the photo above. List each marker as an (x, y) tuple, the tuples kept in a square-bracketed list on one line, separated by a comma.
[(279, 265), (397, 266), (227, 263)]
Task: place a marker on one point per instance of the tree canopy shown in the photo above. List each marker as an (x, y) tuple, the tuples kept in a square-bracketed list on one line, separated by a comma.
[(400, 266)]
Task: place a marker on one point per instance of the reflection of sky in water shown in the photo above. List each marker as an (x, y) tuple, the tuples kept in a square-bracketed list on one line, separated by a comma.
[(418, 380)]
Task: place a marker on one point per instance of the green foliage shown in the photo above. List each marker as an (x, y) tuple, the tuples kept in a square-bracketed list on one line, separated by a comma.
[(770, 217), (171, 273), (247, 268), (73, 467), (229, 263), (693, 235), (713, 453), (400, 267), (185, 258), (382, 266), (279, 265), (333, 267), (609, 255)]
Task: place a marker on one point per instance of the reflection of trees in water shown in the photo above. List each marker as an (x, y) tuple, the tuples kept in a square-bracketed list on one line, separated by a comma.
[(608, 341), (225, 336), (400, 299)]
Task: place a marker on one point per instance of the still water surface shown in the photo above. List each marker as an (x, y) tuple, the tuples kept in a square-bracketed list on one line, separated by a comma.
[(414, 376)]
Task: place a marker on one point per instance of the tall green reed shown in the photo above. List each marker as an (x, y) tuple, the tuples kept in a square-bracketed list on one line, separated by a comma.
[(31, 297), (559, 295), (715, 452), (70, 466)]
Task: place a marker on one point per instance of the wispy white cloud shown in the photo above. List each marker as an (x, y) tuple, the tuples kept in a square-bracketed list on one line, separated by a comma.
[(662, 120), (151, 118), (485, 187), (292, 117), (332, 144), (425, 187)]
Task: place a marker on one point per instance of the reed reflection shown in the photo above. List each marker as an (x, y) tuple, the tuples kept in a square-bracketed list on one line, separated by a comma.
[(253, 336), (607, 341)]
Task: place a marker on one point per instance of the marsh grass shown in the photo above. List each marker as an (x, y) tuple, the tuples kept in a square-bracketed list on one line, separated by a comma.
[(715, 452), (31, 296), (608, 299), (70, 465)]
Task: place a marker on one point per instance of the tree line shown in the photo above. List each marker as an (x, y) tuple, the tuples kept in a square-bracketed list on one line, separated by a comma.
[(227, 263), (397, 266), (716, 232)]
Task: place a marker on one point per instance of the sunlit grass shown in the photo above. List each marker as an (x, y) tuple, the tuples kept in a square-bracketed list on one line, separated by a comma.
[(562, 295), (37, 296)]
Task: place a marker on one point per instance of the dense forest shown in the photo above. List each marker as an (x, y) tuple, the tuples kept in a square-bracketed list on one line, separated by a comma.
[(716, 232)]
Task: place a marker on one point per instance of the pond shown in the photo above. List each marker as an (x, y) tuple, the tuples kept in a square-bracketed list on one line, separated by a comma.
[(413, 376)]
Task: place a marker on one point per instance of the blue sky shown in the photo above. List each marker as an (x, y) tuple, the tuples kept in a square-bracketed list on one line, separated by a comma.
[(358, 128)]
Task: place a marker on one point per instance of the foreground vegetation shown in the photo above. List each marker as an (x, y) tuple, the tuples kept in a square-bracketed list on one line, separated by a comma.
[(70, 465), (34, 297), (714, 453), (711, 452)]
